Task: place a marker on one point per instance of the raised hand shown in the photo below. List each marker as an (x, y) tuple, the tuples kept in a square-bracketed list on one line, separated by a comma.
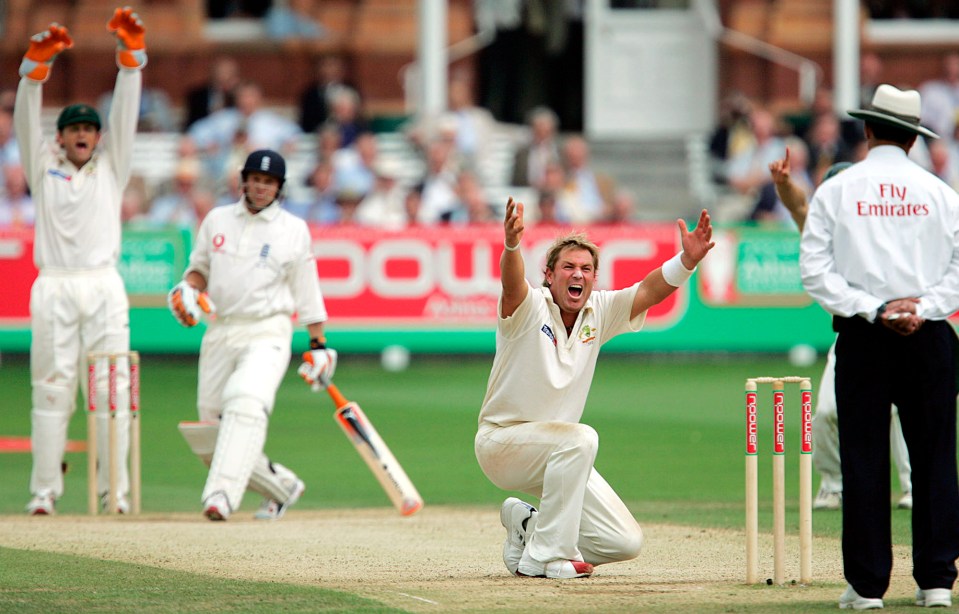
[(513, 224), (779, 170), (44, 48), (698, 242), (131, 38)]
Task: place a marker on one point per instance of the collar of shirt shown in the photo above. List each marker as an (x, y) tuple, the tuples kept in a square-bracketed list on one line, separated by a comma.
[(267, 214), (887, 152)]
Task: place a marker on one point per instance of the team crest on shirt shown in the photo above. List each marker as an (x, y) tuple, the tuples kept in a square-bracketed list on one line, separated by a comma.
[(549, 333), (264, 254), (587, 333), (218, 240)]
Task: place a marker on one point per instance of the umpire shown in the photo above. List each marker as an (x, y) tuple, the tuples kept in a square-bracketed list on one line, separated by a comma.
[(880, 251)]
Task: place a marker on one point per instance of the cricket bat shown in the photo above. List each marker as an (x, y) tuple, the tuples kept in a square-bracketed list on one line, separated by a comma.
[(375, 452)]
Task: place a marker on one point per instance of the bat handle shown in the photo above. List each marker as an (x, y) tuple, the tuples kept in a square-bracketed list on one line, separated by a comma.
[(338, 399)]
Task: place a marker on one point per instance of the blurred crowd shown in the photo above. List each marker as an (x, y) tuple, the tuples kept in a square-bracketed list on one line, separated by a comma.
[(440, 174), (750, 136)]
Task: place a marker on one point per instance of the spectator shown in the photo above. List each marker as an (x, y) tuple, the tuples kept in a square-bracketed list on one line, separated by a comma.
[(346, 115), (156, 111), (439, 191), (133, 207), (475, 126), (748, 170), (9, 151), (384, 205), (472, 206), (176, 206), (353, 166), (554, 195), (732, 135), (591, 191), (944, 163), (529, 164), (316, 99), (471, 127), (216, 94), (826, 145), (623, 210), (413, 204), (16, 205), (235, 132), (940, 97), (329, 140), (870, 76), (320, 205), (348, 200), (293, 20)]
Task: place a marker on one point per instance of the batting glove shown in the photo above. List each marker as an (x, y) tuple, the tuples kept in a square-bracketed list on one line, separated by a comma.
[(317, 368), (187, 303), (44, 48), (131, 46)]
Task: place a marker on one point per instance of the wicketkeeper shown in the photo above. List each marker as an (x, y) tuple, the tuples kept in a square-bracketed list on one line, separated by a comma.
[(252, 260), (78, 303)]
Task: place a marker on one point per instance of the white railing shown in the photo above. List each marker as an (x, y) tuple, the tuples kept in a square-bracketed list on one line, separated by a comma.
[(810, 73)]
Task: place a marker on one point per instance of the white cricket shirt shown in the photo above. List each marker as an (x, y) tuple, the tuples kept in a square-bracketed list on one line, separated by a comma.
[(78, 210), (539, 374), (257, 266), (883, 229)]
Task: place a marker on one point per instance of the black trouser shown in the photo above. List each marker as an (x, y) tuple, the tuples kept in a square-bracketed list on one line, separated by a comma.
[(875, 367)]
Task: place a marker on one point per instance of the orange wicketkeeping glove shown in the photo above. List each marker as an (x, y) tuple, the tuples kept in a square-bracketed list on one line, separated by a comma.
[(130, 32), (44, 48)]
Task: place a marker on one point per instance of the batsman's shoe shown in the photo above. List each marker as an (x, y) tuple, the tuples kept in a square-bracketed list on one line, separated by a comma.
[(41, 504), (850, 599), (217, 507), (827, 500), (271, 509), (515, 515), (559, 569), (934, 598), (905, 502), (123, 504)]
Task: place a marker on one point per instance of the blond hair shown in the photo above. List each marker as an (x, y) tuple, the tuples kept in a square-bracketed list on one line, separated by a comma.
[(575, 240)]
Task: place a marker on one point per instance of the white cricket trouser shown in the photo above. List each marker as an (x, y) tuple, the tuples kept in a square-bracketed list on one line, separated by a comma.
[(73, 313), (580, 516), (825, 435), (242, 363)]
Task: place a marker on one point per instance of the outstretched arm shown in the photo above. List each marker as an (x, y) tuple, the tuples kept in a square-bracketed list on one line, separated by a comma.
[(511, 266), (788, 191), (663, 281)]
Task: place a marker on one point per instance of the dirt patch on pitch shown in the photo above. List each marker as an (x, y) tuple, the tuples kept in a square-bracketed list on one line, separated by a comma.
[(444, 559)]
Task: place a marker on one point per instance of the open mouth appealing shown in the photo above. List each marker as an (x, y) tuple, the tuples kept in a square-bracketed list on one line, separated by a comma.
[(576, 290)]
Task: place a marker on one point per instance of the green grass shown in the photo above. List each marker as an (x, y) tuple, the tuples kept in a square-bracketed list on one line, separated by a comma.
[(671, 443), (45, 582)]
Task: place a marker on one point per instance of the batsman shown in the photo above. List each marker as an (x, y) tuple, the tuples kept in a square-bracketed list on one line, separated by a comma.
[(253, 260), (530, 437), (78, 303)]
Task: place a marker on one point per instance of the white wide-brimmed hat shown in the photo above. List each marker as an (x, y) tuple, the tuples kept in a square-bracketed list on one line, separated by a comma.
[(895, 107)]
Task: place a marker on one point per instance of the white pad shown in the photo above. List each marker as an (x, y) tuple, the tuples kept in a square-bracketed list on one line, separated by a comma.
[(201, 437), (238, 446), (272, 480)]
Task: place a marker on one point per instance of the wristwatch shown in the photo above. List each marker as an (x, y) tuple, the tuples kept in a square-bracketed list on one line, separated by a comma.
[(879, 311)]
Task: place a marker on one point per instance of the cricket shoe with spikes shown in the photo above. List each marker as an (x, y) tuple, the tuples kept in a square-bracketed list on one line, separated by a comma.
[(515, 515), (217, 507), (272, 509)]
